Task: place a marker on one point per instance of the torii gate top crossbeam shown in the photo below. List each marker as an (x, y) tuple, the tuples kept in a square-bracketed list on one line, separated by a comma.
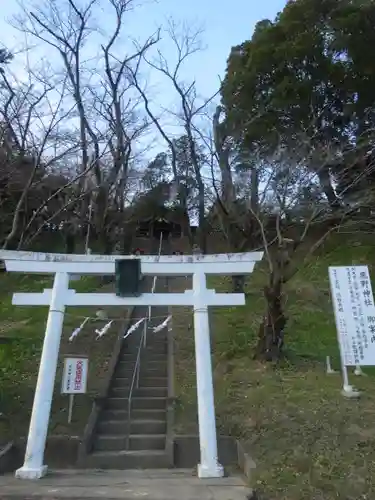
[(165, 265)]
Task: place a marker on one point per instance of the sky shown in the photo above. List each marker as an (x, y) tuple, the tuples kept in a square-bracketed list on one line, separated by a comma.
[(224, 23), (224, 26)]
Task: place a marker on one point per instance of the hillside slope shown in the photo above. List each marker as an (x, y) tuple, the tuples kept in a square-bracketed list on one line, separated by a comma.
[(308, 441), (19, 359)]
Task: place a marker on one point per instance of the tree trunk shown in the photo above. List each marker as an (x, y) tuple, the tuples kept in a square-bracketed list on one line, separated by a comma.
[(254, 193), (12, 238), (127, 243), (70, 242), (107, 242), (326, 185), (271, 330), (186, 227), (238, 283), (202, 221)]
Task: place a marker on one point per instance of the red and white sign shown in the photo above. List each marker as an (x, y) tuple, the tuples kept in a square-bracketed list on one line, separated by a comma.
[(74, 379)]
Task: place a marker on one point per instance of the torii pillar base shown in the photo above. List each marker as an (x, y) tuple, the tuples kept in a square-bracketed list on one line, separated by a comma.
[(31, 473), (207, 472)]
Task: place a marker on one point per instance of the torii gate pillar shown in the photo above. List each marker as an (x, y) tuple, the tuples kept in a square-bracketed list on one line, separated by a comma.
[(33, 467), (209, 465)]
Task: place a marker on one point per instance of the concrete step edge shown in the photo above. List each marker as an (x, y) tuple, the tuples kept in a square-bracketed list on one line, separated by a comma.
[(137, 398), (144, 362), (145, 410), (147, 388), (128, 452), (121, 418), (141, 378), (133, 421), (132, 436)]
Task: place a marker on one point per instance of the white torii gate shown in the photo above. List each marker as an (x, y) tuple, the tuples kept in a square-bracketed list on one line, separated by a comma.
[(65, 265)]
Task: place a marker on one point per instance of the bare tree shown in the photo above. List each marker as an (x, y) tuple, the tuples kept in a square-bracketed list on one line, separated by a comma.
[(229, 182), (290, 205), (109, 121), (185, 41), (182, 198), (32, 113)]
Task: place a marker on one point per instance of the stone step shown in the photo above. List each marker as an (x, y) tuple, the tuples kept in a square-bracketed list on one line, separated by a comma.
[(142, 392), (118, 442), (141, 414), (143, 382), (148, 363), (137, 403), (151, 339), (124, 370), (145, 357), (140, 459), (160, 347), (114, 427)]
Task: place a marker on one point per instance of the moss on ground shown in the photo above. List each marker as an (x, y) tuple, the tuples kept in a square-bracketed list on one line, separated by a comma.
[(19, 360), (308, 441)]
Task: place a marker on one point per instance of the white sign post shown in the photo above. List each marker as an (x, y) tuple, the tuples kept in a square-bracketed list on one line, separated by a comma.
[(355, 319), (74, 379), (63, 265)]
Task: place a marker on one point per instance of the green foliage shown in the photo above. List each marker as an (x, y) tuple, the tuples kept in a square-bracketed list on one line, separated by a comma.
[(304, 81), (157, 172), (5, 57), (160, 190)]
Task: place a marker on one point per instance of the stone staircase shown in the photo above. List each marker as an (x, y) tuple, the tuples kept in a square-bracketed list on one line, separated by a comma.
[(146, 447)]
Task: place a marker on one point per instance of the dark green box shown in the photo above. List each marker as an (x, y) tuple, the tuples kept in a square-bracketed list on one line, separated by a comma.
[(128, 277)]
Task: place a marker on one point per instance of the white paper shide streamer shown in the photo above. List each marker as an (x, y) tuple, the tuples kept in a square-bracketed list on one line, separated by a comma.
[(134, 327), (163, 325), (103, 330), (78, 330)]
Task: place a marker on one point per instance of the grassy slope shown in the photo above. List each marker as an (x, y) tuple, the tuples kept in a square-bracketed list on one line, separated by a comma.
[(19, 361), (308, 442)]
